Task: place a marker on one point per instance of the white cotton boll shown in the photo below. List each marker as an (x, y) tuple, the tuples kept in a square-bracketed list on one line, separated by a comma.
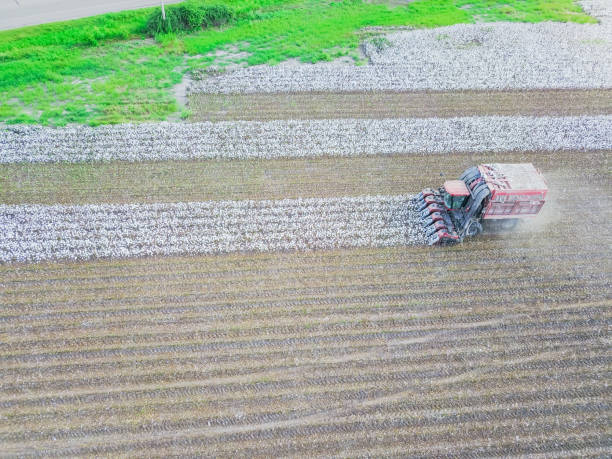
[(284, 138), (93, 231)]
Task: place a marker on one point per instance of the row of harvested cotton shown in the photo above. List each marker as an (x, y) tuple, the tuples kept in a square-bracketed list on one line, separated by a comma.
[(36, 233), (303, 138)]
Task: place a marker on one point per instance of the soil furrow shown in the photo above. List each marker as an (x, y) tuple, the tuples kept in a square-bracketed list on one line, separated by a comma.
[(157, 273), (399, 443), (445, 343), (501, 412), (239, 330), (488, 384), (285, 431), (548, 284), (460, 349), (290, 337), (161, 376), (279, 380), (241, 280), (427, 401), (199, 319), (396, 104)]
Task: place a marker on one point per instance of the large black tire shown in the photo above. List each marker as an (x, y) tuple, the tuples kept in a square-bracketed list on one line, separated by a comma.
[(474, 229)]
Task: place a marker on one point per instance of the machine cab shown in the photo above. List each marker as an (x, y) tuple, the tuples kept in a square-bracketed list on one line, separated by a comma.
[(455, 194)]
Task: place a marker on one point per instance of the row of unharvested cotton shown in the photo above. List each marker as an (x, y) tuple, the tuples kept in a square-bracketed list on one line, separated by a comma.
[(35, 233), (302, 138)]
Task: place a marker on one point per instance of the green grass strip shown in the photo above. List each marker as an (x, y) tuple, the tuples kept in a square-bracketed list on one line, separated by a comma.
[(104, 69)]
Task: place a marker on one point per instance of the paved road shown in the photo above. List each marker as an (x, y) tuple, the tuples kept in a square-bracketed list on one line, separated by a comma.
[(20, 13)]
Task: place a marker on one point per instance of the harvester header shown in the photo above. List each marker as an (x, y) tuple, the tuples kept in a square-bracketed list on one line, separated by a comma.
[(498, 193)]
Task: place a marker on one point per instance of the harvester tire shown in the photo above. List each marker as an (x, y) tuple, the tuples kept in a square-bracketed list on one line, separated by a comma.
[(474, 229), (508, 224)]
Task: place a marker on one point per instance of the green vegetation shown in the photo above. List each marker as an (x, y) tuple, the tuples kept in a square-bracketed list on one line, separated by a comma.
[(524, 11), (188, 17), (104, 69)]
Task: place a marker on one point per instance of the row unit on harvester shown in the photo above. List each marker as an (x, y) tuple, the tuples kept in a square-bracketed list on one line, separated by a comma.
[(501, 193)]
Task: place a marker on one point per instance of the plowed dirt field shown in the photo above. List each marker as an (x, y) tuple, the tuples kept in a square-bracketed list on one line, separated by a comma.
[(176, 181), (379, 104), (497, 346)]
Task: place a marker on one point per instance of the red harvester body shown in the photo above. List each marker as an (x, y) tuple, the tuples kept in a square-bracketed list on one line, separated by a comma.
[(498, 193)]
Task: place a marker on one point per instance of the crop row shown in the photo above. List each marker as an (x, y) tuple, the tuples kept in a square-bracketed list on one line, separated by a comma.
[(303, 138), (175, 421), (35, 233), (267, 380), (17, 294), (480, 254), (307, 430), (286, 323), (264, 405)]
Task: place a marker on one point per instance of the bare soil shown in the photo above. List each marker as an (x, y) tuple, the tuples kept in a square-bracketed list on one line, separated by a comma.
[(498, 346), (402, 349), (372, 351), (219, 107), (176, 181)]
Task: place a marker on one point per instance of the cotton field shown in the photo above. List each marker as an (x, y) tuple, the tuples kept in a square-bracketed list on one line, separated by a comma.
[(35, 233), (263, 288), (303, 138)]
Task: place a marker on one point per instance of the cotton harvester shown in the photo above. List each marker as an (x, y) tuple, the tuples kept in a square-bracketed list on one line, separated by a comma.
[(499, 194)]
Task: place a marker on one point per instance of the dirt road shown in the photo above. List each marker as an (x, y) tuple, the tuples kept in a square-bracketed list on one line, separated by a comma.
[(20, 13)]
